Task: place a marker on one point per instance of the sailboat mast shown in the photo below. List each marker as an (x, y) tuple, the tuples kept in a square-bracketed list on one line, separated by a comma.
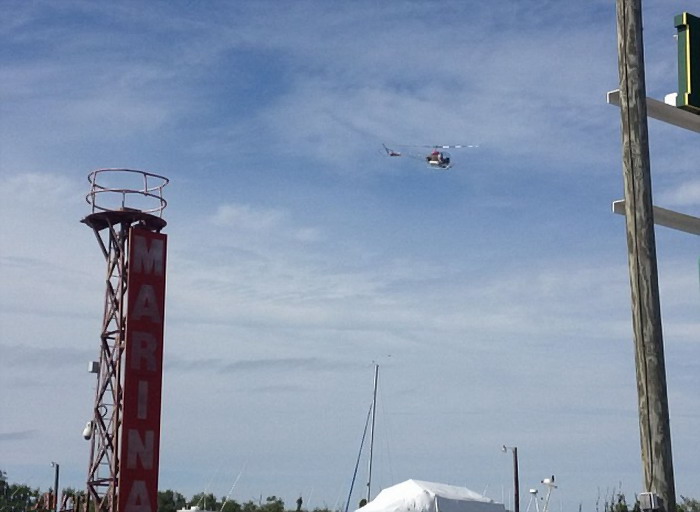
[(371, 435)]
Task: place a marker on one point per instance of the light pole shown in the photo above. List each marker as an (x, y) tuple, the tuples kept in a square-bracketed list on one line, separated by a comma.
[(55, 485), (516, 481), (533, 497)]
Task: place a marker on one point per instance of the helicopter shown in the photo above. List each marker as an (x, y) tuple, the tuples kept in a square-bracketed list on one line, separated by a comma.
[(436, 159)]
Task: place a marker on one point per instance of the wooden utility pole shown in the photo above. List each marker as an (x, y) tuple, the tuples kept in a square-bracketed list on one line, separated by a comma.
[(655, 431)]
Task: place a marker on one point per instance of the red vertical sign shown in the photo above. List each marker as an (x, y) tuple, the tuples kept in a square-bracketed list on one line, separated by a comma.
[(143, 372)]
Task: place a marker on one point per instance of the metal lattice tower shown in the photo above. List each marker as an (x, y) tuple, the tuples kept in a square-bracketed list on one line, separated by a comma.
[(120, 199)]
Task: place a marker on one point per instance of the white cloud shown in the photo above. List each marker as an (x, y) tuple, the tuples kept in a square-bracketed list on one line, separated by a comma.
[(685, 194), (266, 225), (243, 217), (33, 191)]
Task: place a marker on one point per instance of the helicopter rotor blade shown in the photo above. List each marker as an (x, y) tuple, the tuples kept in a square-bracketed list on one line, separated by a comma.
[(457, 146), (439, 146)]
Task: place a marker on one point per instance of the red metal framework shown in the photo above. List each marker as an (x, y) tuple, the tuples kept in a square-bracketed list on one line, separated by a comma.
[(120, 199)]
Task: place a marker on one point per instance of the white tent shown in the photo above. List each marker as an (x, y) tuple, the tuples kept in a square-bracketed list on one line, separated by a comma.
[(419, 496)]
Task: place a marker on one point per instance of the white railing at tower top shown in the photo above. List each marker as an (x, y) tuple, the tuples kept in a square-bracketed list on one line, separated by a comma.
[(126, 189)]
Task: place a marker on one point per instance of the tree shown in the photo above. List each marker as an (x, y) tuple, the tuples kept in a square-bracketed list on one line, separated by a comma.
[(272, 504), (206, 501), (16, 497), (231, 506), (170, 501), (249, 506), (617, 503)]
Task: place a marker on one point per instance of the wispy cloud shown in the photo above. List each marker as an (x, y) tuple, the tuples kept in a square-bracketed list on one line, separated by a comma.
[(44, 357), (686, 194), (17, 436)]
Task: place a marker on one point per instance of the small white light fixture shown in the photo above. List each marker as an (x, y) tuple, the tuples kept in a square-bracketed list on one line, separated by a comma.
[(87, 431)]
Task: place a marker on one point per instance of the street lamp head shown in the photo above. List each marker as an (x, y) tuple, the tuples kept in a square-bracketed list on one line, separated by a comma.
[(549, 482), (504, 448), (54, 464), (87, 431)]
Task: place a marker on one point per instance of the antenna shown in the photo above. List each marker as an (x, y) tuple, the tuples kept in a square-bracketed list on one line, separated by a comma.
[(549, 483)]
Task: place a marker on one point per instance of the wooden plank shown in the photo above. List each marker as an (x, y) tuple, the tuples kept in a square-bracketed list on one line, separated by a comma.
[(667, 218), (663, 112)]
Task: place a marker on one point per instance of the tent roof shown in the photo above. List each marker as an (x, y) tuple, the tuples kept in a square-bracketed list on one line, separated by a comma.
[(421, 496), (449, 491)]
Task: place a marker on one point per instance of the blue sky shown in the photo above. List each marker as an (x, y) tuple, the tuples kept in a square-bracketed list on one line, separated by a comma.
[(495, 297)]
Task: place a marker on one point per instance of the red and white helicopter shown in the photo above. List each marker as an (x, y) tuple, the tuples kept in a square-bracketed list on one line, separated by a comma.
[(436, 159)]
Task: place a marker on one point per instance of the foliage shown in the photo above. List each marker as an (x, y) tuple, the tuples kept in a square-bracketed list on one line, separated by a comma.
[(688, 505), (272, 504), (618, 503), (16, 497), (21, 498), (170, 501), (231, 506), (205, 501)]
